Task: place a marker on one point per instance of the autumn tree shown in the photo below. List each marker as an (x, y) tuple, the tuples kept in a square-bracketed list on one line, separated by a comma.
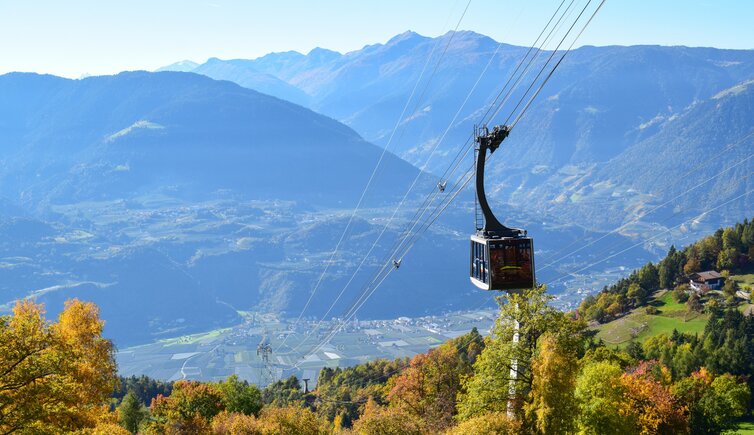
[(496, 381), (552, 407), (493, 423), (428, 388), (647, 395), (382, 420), (54, 377), (290, 420), (713, 403), (235, 423), (190, 407)]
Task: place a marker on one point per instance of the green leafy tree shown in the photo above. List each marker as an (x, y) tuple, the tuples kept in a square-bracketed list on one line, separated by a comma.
[(727, 259), (131, 412), (285, 392), (637, 294), (489, 389), (649, 278), (730, 287), (144, 387), (190, 407), (694, 304), (681, 293), (241, 397), (600, 395), (713, 404)]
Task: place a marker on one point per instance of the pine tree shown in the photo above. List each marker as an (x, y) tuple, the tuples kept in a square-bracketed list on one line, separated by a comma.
[(131, 412)]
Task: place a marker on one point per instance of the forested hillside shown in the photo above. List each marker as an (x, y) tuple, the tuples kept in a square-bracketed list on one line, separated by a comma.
[(563, 381), (557, 378), (729, 251)]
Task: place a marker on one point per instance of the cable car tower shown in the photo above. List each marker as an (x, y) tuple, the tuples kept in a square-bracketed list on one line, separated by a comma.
[(502, 258), (266, 370)]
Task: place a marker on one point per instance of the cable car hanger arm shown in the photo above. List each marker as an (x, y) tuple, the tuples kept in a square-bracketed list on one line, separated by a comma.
[(490, 140)]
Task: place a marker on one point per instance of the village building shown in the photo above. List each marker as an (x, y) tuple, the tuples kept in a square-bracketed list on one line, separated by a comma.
[(706, 281)]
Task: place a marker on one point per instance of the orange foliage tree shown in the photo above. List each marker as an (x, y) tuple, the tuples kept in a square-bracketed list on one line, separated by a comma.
[(428, 388), (648, 396)]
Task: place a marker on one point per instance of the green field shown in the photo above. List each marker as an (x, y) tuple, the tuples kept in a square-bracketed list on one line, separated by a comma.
[(746, 427), (194, 338), (746, 282), (638, 325)]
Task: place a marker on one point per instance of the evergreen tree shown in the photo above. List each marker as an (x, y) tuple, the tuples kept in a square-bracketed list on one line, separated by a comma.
[(131, 412)]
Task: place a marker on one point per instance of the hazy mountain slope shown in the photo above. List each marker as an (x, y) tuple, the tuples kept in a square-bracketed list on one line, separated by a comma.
[(243, 73), (137, 132), (698, 151), (601, 106), (164, 197)]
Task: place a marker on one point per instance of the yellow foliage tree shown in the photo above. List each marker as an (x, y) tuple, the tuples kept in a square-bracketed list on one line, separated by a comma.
[(493, 423), (379, 420), (552, 406), (54, 377)]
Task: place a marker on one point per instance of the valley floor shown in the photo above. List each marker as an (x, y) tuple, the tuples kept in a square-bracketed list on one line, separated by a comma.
[(217, 354)]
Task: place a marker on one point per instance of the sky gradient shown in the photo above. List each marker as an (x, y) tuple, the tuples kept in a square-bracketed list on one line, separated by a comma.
[(81, 37)]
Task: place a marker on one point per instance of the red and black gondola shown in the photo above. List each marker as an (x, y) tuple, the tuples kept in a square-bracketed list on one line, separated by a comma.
[(502, 258)]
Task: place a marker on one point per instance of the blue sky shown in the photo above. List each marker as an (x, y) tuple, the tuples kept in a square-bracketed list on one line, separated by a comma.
[(76, 37)]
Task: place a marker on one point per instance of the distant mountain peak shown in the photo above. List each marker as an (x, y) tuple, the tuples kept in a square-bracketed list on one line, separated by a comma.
[(323, 54), (408, 35), (181, 66)]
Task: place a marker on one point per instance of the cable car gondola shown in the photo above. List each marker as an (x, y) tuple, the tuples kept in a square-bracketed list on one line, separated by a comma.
[(502, 258)]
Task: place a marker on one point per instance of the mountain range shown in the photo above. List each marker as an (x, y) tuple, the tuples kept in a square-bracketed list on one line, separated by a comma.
[(574, 155), (175, 200)]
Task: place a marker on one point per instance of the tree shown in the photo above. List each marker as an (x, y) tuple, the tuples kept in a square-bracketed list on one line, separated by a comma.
[(240, 396), (727, 259), (53, 377), (646, 395), (694, 303), (489, 389), (380, 420), (227, 423), (730, 287), (637, 294), (493, 423), (144, 387), (428, 388), (600, 394), (191, 406), (552, 404), (731, 240), (341, 390), (285, 392), (649, 278), (713, 403), (290, 420), (692, 265), (681, 293), (131, 412)]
